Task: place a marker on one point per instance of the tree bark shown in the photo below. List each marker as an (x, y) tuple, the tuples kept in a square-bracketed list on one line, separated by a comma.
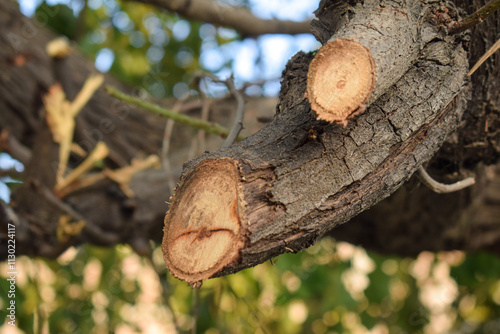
[(292, 187), (417, 219), (296, 179)]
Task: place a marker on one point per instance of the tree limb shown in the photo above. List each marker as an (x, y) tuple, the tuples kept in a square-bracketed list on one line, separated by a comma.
[(237, 18), (406, 223), (442, 188), (281, 189)]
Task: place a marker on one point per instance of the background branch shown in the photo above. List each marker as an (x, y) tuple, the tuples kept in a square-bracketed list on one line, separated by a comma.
[(196, 123), (237, 18)]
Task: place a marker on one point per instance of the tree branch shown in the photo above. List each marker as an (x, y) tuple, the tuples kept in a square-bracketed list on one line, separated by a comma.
[(300, 177), (240, 109), (237, 18), (475, 18), (442, 188), (196, 123), (307, 161)]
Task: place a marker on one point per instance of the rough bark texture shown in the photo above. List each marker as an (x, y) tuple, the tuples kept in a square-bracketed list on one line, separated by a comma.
[(27, 73), (415, 218), (302, 175), (294, 188)]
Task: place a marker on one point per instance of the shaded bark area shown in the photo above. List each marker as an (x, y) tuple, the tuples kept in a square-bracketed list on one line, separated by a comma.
[(295, 137)]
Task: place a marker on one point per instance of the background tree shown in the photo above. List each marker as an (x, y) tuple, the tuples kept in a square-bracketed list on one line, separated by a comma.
[(116, 208)]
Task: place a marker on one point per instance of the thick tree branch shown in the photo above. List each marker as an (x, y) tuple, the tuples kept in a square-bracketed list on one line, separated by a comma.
[(281, 188), (237, 18), (302, 167)]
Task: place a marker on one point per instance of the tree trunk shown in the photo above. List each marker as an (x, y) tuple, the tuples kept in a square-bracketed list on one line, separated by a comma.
[(288, 184)]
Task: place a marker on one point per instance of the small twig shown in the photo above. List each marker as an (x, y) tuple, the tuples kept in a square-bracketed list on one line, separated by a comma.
[(165, 146), (198, 144), (99, 152), (61, 113), (179, 118), (488, 54), (82, 182), (240, 112), (240, 109), (475, 18), (124, 175), (442, 188), (205, 111)]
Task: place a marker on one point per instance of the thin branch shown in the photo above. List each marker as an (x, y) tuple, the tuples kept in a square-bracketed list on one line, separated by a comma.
[(167, 134), (193, 122), (198, 143), (240, 113), (240, 109), (475, 18), (205, 111), (239, 19), (14, 148), (165, 146), (99, 152), (442, 188), (487, 54)]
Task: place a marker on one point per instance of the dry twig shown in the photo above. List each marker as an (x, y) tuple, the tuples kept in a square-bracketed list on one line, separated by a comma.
[(442, 188)]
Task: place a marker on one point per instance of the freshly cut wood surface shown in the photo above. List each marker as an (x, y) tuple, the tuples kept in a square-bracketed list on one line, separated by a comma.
[(341, 79), (361, 60), (202, 230)]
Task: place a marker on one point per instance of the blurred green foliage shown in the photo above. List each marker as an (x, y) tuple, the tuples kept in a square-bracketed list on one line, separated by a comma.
[(148, 48), (333, 287)]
